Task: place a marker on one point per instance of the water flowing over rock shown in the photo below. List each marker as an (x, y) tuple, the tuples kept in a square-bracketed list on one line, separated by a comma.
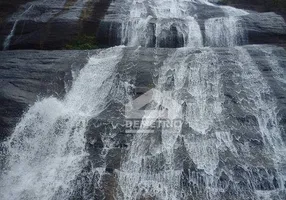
[(52, 25), (188, 108), (42, 24), (224, 31), (167, 23), (232, 103), (47, 150)]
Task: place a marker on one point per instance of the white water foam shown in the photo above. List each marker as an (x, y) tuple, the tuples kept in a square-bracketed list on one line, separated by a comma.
[(264, 105), (224, 32), (47, 149), (162, 16), (150, 168)]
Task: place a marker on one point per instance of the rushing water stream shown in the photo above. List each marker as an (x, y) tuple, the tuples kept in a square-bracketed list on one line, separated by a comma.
[(229, 143), (47, 148)]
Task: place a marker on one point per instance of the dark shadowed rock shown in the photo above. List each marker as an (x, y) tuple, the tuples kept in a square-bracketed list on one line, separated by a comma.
[(27, 76), (265, 28), (52, 26)]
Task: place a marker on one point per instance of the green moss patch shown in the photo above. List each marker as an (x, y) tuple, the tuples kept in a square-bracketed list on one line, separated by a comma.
[(82, 42)]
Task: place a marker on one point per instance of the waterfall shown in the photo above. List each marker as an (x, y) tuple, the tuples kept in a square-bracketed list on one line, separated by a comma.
[(33, 11), (7, 40), (265, 108), (186, 160), (212, 124), (224, 32), (176, 23), (167, 22), (140, 175), (47, 152)]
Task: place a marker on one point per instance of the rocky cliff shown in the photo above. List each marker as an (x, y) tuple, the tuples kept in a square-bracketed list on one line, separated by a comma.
[(190, 105), (58, 25), (50, 25)]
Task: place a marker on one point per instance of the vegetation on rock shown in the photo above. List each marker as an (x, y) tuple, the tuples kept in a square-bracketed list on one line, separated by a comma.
[(82, 42)]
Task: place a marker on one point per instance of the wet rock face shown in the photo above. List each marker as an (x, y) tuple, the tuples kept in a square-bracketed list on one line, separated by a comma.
[(8, 7), (257, 28), (23, 83), (257, 5), (53, 25), (267, 28), (260, 28), (229, 99), (232, 158)]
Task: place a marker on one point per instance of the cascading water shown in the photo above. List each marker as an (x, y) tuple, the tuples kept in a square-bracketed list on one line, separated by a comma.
[(163, 21), (227, 142), (140, 176), (187, 161), (47, 149), (33, 11), (7, 40), (224, 32), (172, 23)]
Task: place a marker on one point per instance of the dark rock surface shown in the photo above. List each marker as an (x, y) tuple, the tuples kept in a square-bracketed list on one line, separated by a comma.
[(27, 76), (54, 25), (278, 6), (60, 24), (265, 28), (8, 7)]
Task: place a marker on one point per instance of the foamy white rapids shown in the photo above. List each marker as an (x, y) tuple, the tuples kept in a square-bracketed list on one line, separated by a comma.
[(224, 32), (264, 107), (139, 174), (157, 19), (46, 152), (174, 23)]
